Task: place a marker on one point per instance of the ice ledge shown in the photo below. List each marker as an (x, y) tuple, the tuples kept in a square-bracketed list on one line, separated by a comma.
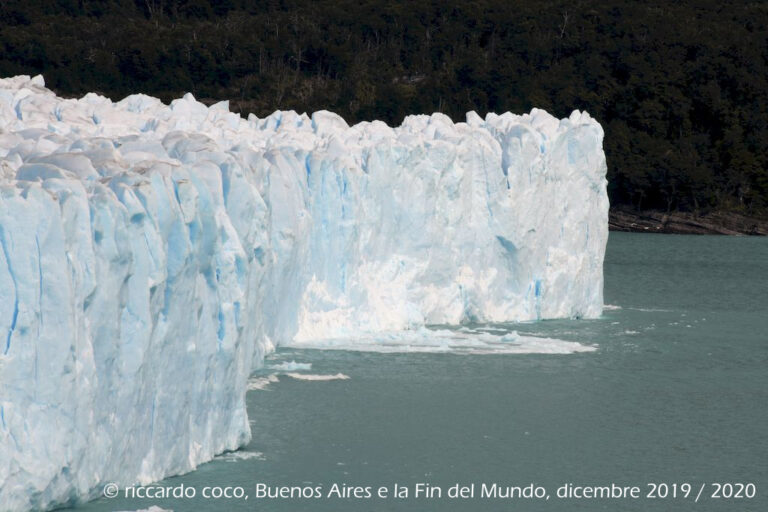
[(152, 253)]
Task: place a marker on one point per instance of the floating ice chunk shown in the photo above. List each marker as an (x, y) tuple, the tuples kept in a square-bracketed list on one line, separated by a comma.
[(260, 383), (239, 456), (291, 366), (153, 508), (306, 376), (463, 341)]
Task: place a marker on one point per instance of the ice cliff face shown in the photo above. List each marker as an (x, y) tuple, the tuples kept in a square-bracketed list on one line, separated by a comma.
[(151, 254)]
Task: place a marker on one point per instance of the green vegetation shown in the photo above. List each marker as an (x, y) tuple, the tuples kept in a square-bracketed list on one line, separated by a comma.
[(680, 87)]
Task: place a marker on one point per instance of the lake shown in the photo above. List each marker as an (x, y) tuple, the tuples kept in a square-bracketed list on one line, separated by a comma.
[(674, 396)]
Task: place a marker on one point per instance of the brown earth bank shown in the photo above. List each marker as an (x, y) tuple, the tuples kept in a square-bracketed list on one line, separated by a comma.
[(713, 223)]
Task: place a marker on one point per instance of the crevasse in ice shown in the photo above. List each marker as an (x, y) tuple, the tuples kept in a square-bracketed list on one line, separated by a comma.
[(151, 255)]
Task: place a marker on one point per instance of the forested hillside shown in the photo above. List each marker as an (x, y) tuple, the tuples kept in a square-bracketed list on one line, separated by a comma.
[(680, 87)]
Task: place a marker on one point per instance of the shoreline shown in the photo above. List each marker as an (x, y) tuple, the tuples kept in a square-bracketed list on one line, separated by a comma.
[(714, 223)]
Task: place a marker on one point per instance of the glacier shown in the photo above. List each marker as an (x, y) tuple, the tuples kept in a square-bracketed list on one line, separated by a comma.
[(153, 254)]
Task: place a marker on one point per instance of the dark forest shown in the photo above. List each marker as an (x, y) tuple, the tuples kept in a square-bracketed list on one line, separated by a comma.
[(680, 87)]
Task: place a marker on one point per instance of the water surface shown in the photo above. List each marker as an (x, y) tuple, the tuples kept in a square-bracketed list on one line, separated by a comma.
[(676, 392)]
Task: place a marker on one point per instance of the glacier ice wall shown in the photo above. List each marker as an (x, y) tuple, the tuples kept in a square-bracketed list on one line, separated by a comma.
[(151, 255)]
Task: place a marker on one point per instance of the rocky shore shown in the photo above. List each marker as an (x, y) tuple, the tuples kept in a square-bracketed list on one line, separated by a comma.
[(714, 223)]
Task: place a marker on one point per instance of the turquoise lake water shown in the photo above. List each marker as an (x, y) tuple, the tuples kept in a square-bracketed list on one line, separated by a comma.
[(675, 393)]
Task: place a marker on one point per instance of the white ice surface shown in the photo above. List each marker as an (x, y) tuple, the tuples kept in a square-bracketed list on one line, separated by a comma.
[(463, 341), (261, 383), (152, 509), (151, 254), (239, 455), (290, 366), (318, 377)]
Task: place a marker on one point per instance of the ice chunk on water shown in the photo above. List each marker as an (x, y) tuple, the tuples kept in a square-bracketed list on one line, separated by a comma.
[(150, 255), (261, 383), (307, 376), (465, 341), (239, 456), (291, 366), (153, 508)]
